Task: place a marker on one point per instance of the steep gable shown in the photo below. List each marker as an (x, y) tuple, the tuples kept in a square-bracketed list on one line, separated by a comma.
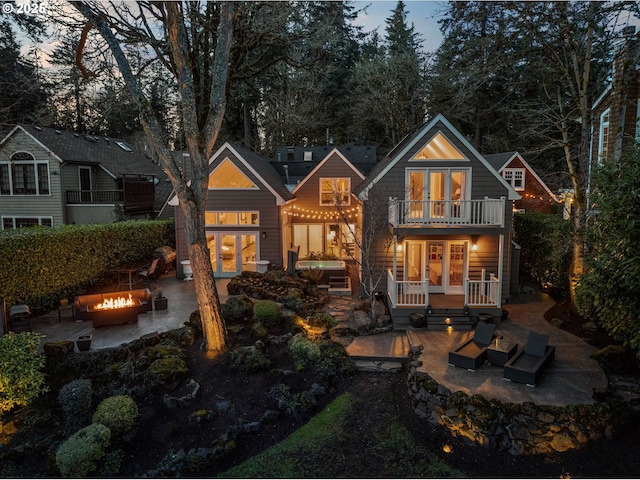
[(413, 144)]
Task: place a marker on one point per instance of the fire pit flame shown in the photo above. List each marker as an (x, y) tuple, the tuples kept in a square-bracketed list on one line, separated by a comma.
[(111, 303)]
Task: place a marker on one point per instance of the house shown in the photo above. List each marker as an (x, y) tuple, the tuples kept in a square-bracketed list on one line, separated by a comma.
[(52, 177), (243, 218), (325, 215), (536, 196), (445, 238), (253, 217), (616, 112)]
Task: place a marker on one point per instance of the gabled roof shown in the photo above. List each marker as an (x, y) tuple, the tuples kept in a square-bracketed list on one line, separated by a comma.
[(259, 167), (113, 155), (294, 170), (321, 164), (263, 170), (500, 161), (408, 142)]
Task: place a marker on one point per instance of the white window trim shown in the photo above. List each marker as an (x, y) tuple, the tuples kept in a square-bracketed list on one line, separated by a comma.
[(35, 164), (448, 171), (334, 203), (13, 218), (238, 212), (601, 143), (512, 180)]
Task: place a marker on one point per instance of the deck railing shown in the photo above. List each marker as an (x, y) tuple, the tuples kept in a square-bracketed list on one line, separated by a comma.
[(482, 292), (477, 293), (94, 196), (418, 213)]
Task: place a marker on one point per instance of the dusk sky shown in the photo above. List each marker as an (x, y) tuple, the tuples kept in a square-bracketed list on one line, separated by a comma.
[(423, 14)]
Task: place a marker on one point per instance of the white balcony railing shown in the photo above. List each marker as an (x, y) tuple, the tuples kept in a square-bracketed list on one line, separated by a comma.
[(477, 293), (418, 213)]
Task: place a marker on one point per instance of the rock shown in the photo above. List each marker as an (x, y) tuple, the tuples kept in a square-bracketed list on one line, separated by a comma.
[(562, 442), (361, 319), (589, 327)]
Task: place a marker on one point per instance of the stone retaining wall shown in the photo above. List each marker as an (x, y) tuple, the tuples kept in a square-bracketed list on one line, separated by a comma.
[(517, 428)]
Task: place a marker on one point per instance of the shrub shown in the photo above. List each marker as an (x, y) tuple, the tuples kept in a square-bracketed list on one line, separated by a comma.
[(303, 351), (250, 359), (79, 454), (21, 375), (165, 372), (312, 275), (266, 312), (75, 400), (616, 359), (119, 413), (546, 242)]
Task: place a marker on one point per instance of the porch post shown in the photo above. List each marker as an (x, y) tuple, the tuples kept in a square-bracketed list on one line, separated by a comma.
[(395, 266), (500, 272)]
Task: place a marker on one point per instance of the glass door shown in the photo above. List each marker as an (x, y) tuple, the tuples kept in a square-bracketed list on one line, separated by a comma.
[(436, 266), (446, 266), (229, 251)]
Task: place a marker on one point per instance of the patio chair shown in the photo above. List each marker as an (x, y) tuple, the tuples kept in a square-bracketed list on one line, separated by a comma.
[(528, 365), (19, 318), (151, 273), (472, 353)]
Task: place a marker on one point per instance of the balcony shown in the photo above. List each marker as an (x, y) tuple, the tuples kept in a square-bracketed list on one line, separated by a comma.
[(99, 197), (445, 213)]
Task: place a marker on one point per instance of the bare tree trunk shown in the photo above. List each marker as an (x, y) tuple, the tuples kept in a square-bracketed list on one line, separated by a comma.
[(191, 192)]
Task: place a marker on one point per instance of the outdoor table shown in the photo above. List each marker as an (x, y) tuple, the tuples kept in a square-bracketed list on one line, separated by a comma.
[(500, 351), (125, 276)]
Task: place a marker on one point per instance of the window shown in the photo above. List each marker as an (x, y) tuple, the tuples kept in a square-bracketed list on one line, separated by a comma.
[(24, 176), (231, 218), (515, 177), (335, 191), (439, 148), (9, 223), (603, 141), (229, 177)]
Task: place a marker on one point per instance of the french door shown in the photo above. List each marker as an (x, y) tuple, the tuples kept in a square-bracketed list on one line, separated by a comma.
[(442, 263), (229, 251)]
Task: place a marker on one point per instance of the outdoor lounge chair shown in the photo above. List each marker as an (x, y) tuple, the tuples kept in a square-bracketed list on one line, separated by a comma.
[(151, 273), (528, 365), (473, 352)]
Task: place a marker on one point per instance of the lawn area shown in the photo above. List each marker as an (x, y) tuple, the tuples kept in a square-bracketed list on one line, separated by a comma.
[(334, 444)]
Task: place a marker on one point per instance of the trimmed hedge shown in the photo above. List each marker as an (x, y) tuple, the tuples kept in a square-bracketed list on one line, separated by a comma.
[(40, 265)]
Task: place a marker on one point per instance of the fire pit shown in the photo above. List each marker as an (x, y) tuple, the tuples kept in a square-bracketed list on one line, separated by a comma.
[(113, 311)]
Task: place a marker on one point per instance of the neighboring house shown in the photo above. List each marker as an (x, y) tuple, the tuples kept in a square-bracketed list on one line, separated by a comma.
[(616, 113), (294, 163), (449, 217), (325, 216), (536, 196), (244, 221), (52, 177)]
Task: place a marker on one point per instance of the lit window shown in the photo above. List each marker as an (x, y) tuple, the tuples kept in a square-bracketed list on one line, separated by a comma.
[(24, 176), (515, 177), (335, 191), (228, 176), (231, 218), (439, 148)]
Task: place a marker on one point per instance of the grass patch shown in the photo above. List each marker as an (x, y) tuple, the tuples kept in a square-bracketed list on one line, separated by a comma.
[(284, 459), (333, 434)]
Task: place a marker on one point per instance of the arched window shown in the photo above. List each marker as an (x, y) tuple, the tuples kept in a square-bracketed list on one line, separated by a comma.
[(24, 176)]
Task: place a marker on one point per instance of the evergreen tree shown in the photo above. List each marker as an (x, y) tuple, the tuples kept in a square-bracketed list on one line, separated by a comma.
[(23, 98)]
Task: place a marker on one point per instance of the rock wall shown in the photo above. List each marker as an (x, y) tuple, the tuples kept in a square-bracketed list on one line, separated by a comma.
[(517, 428)]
